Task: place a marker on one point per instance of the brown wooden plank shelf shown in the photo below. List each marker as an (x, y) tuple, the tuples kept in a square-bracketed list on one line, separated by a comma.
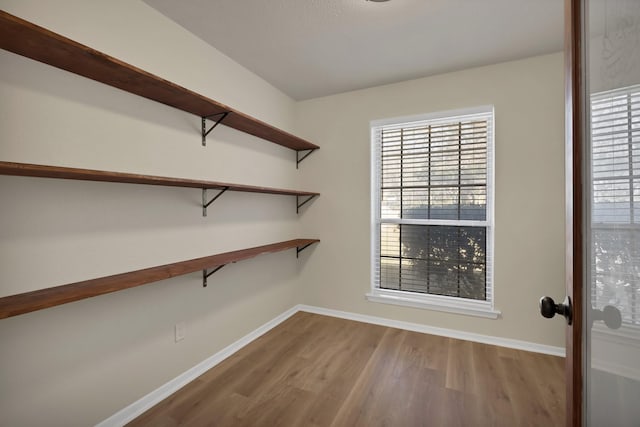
[(27, 39), (15, 305), (42, 171)]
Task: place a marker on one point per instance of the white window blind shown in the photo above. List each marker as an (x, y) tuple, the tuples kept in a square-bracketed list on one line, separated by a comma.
[(433, 210), (615, 215)]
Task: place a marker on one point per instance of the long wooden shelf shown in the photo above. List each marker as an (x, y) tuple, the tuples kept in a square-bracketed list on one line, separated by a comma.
[(27, 39), (43, 171), (15, 305)]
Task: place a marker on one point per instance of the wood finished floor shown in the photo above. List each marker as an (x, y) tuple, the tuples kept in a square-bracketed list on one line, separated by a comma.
[(314, 370)]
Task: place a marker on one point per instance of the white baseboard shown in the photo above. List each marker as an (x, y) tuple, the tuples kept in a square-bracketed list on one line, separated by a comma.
[(137, 408), (450, 333)]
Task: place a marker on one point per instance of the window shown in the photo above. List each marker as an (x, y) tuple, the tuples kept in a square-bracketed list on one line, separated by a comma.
[(432, 205), (615, 217)]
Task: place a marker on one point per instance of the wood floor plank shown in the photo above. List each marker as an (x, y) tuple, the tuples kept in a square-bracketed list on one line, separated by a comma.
[(459, 359), (223, 410), (360, 407), (434, 350), (320, 371), (335, 378), (492, 378), (528, 406), (539, 370)]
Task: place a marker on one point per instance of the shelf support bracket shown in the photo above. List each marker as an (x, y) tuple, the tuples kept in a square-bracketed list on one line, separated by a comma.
[(205, 203), (300, 249), (206, 274), (218, 118), (307, 200), (304, 156)]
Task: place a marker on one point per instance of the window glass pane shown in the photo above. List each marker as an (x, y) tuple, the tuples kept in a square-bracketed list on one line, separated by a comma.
[(442, 260), (390, 204), (390, 273), (441, 169), (390, 240), (473, 204), (415, 203)]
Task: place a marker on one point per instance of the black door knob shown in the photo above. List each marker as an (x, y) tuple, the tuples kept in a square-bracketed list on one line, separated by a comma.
[(549, 308)]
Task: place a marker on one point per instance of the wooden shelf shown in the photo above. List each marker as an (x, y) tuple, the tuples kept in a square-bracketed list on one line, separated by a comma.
[(42, 171), (37, 300), (27, 39)]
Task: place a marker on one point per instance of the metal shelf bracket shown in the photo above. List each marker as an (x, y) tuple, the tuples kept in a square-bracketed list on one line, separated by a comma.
[(205, 203), (300, 249), (206, 274), (218, 118), (307, 200), (304, 156)]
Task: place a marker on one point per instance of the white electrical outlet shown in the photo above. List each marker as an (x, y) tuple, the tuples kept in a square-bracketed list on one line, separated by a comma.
[(181, 331)]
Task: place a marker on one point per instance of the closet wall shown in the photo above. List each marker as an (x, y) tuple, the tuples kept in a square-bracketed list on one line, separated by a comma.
[(79, 363)]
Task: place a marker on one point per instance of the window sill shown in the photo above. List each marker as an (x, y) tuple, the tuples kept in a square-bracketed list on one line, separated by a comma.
[(433, 302)]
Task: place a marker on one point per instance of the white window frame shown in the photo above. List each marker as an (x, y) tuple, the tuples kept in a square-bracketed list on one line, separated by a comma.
[(429, 301)]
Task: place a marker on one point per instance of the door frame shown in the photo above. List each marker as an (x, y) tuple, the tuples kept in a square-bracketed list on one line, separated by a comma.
[(575, 168)]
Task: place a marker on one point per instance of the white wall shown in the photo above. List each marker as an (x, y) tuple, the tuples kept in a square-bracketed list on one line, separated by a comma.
[(79, 363), (529, 211)]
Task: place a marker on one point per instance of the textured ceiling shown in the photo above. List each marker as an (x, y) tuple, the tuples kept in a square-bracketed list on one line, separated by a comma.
[(312, 48)]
